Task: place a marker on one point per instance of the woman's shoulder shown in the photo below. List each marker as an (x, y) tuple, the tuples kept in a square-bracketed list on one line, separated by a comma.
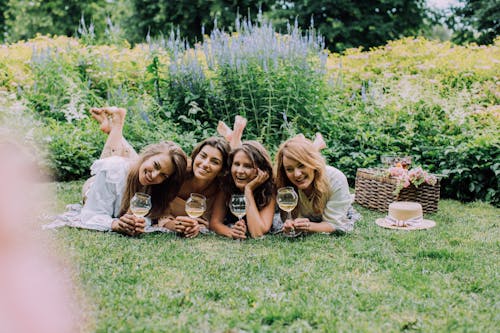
[(336, 178), (332, 172)]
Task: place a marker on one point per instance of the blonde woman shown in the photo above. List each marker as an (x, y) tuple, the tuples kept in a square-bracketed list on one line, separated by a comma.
[(325, 204)]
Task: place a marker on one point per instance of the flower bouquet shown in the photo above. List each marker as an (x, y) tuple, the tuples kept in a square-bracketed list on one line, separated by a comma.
[(376, 188), (405, 177)]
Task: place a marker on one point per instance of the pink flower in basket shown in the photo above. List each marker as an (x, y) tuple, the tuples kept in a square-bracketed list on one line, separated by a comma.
[(396, 171), (405, 178)]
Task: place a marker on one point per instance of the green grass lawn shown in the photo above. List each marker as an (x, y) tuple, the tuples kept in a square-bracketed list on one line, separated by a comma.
[(372, 280)]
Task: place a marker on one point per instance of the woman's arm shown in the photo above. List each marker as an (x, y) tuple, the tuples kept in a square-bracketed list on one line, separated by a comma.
[(258, 221), (305, 225), (335, 212), (217, 219)]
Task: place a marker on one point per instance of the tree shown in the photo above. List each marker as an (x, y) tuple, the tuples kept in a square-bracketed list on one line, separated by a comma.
[(3, 8), (24, 19), (353, 23), (189, 16), (476, 21)]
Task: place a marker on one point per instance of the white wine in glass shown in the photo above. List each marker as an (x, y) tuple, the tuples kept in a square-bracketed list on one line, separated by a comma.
[(140, 204), (238, 205), (287, 200), (196, 205)]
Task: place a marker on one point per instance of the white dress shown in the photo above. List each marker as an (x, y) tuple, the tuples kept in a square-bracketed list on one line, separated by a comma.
[(338, 211), (105, 194), (104, 197)]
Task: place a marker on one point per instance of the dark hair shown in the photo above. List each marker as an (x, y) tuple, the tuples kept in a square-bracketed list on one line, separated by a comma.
[(223, 146), (260, 159), (161, 194)]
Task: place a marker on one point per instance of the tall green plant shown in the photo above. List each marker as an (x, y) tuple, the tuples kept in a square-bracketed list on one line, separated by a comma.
[(276, 81)]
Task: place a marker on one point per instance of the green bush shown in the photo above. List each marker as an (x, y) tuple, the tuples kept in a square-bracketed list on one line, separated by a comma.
[(72, 147), (436, 102)]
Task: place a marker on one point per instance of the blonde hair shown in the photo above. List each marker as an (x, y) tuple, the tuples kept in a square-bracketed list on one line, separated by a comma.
[(303, 151), (161, 194)]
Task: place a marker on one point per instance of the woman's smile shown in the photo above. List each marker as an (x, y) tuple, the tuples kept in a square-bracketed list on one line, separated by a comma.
[(300, 175), (208, 163), (243, 170)]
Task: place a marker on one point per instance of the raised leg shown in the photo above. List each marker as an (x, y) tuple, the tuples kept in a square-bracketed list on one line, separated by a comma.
[(116, 145), (238, 127), (101, 117), (319, 142), (232, 136)]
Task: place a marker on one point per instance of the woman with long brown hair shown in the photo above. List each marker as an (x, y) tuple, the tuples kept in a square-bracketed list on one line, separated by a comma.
[(251, 174), (158, 170), (205, 176)]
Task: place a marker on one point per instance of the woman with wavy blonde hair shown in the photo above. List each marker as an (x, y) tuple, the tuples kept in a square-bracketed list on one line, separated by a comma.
[(325, 204)]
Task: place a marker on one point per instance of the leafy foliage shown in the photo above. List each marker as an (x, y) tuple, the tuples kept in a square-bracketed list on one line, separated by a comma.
[(189, 17), (476, 21), (26, 19), (346, 24), (433, 101)]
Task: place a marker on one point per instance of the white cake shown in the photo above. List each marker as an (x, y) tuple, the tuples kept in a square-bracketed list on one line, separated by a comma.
[(405, 210)]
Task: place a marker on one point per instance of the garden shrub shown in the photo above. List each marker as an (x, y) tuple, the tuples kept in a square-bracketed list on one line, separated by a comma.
[(434, 101), (72, 147), (276, 81)]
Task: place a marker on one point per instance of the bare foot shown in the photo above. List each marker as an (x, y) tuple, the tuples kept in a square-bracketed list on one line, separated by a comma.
[(239, 124), (115, 115), (319, 142), (238, 127), (101, 117), (224, 130)]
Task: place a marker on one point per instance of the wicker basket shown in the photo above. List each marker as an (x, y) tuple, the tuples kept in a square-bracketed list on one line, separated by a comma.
[(374, 191)]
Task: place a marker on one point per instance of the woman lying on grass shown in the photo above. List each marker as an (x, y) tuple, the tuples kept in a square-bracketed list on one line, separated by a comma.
[(120, 172), (251, 175), (205, 176), (324, 203)]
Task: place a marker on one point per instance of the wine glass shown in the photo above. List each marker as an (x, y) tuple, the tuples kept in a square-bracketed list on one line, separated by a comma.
[(238, 205), (287, 200), (196, 205), (140, 204)]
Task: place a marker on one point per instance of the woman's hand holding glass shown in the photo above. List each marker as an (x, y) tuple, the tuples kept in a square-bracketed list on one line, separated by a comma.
[(189, 226), (287, 200), (239, 230), (301, 224), (129, 224), (134, 224), (238, 206)]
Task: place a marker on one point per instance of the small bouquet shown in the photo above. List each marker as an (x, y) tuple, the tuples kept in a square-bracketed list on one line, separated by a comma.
[(405, 177)]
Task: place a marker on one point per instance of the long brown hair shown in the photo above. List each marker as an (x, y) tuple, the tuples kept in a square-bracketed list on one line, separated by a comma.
[(260, 159), (220, 144), (303, 151), (161, 194)]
